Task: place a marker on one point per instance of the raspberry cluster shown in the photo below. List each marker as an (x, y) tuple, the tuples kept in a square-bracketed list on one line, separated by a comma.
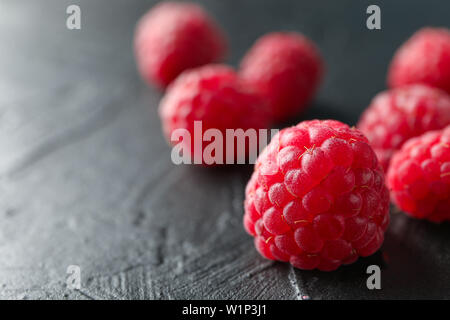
[(317, 197), (419, 176), (179, 43), (401, 125)]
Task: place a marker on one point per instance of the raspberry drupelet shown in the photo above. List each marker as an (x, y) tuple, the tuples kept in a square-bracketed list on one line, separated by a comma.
[(424, 58), (419, 176), (398, 114), (173, 37), (317, 197), (286, 69)]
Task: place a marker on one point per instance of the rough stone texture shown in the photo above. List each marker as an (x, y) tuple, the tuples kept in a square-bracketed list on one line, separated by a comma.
[(86, 177)]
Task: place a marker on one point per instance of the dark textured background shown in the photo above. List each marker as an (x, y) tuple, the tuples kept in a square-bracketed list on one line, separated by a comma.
[(86, 177)]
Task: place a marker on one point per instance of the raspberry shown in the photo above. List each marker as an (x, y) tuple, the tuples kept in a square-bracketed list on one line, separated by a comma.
[(286, 69), (173, 37), (214, 95), (396, 115), (317, 197), (419, 176), (424, 58)]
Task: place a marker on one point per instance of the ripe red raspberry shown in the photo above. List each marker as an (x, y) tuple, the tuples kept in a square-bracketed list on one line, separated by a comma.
[(214, 95), (396, 115), (173, 37), (424, 58), (286, 69), (419, 176), (317, 197)]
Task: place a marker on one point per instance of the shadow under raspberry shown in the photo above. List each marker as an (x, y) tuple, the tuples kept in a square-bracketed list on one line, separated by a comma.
[(414, 260)]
